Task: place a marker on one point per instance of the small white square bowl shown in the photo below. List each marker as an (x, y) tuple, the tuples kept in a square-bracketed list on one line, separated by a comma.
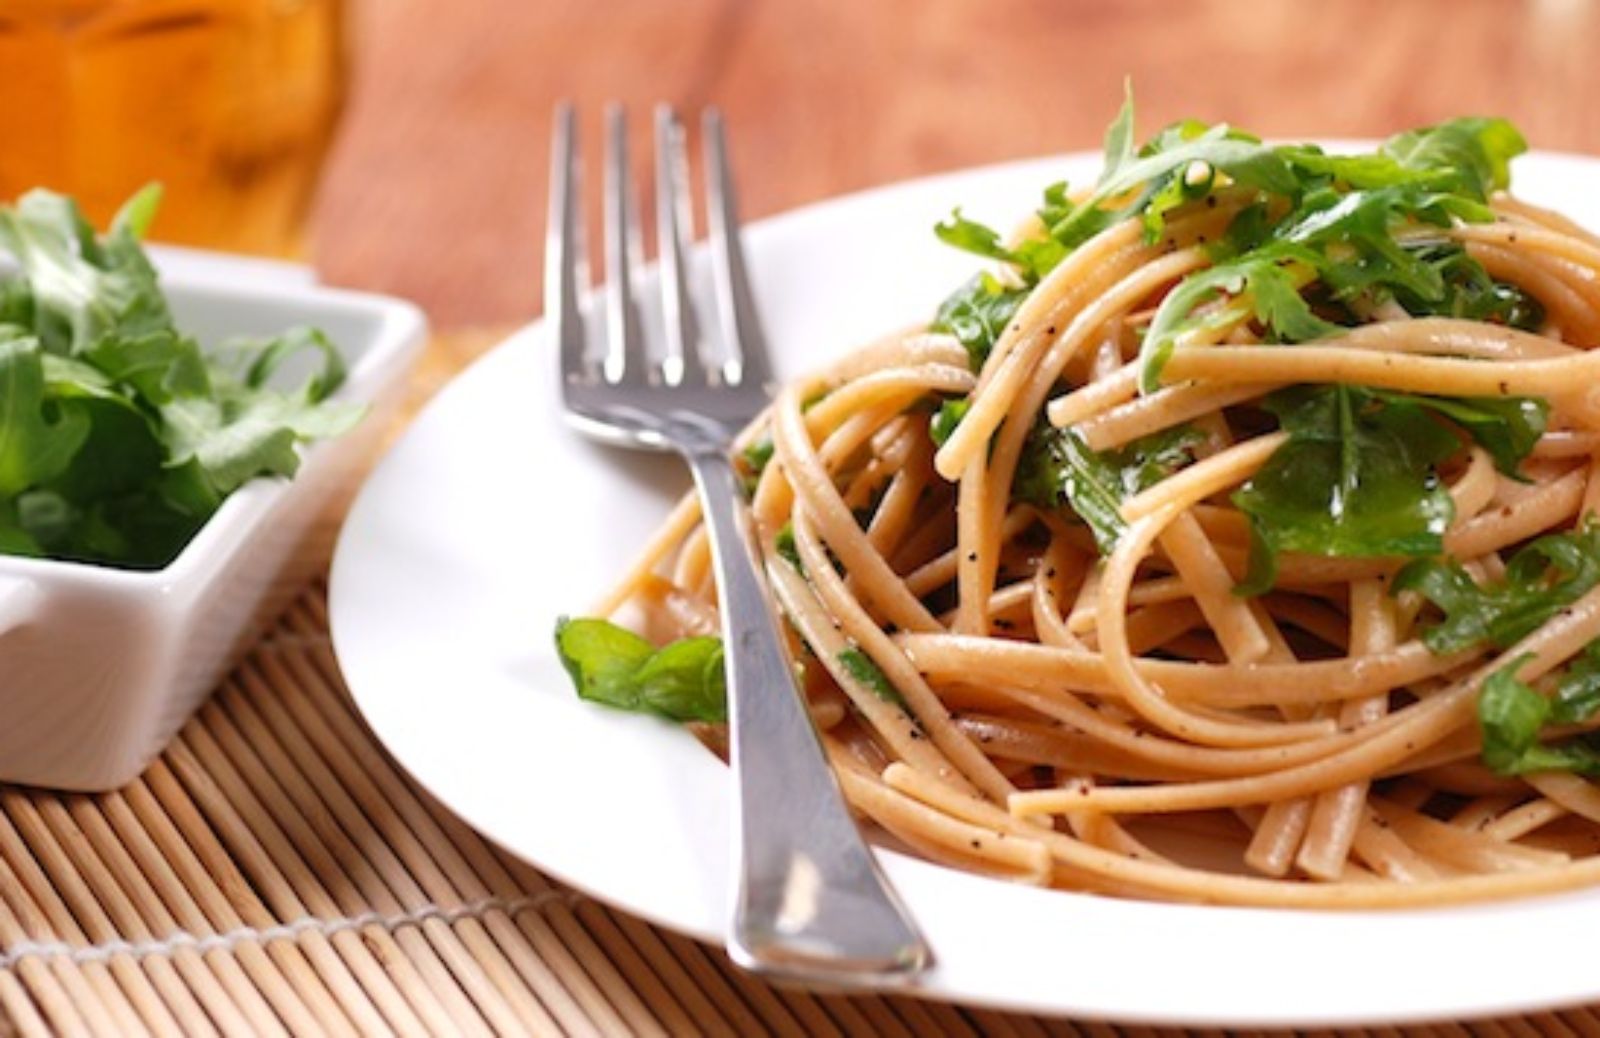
[(100, 666)]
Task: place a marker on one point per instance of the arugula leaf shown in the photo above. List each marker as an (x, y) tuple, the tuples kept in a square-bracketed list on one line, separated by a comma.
[(977, 313), (864, 670), (83, 289), (14, 540), (47, 517), (1346, 241), (243, 429), (972, 237), (1367, 220), (1338, 228), (1473, 153), (1174, 189), (1071, 224), (1274, 289), (35, 446), (1118, 149), (1468, 156), (753, 461), (1360, 171), (1431, 175), (787, 549), (1383, 497), (1190, 152), (119, 437), (16, 308), (1056, 467), (1543, 577), (1239, 155), (157, 366), (1577, 695), (756, 456), (1469, 292), (943, 424), (1507, 427), (1512, 715), (1381, 447), (1035, 257), (682, 681)]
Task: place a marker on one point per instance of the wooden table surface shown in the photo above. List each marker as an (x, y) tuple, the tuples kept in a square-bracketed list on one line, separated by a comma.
[(435, 189)]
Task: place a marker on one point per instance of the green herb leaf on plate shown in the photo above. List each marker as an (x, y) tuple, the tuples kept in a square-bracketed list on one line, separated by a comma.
[(861, 667), (1356, 478), (977, 314), (1512, 717), (1058, 468), (608, 664), (943, 424), (1541, 579), (1507, 427)]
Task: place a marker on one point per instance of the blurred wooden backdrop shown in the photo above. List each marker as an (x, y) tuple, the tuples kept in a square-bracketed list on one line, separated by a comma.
[(435, 189)]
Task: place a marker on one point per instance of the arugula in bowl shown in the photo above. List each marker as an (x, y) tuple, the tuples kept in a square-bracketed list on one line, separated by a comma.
[(119, 435)]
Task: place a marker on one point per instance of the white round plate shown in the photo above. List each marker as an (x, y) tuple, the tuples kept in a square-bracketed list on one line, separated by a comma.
[(490, 519)]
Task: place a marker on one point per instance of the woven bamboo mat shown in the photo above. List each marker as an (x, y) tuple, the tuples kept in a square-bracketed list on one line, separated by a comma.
[(274, 872)]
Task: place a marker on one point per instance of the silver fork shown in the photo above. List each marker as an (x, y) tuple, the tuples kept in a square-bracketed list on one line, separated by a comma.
[(810, 903)]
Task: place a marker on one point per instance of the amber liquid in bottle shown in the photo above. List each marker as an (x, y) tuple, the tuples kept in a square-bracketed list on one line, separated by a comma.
[(228, 103)]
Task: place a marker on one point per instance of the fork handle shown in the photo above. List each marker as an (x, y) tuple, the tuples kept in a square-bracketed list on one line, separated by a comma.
[(811, 904)]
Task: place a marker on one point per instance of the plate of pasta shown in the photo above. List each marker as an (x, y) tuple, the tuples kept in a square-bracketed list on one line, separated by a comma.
[(1195, 589)]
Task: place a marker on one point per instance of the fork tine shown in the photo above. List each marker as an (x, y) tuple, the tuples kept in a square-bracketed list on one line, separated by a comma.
[(564, 244), (674, 225), (736, 306), (625, 353)]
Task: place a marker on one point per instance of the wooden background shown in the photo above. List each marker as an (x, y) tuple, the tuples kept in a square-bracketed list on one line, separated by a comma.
[(435, 189)]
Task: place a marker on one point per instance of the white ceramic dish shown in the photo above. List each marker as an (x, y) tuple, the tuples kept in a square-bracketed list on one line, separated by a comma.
[(99, 666), (489, 520)]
